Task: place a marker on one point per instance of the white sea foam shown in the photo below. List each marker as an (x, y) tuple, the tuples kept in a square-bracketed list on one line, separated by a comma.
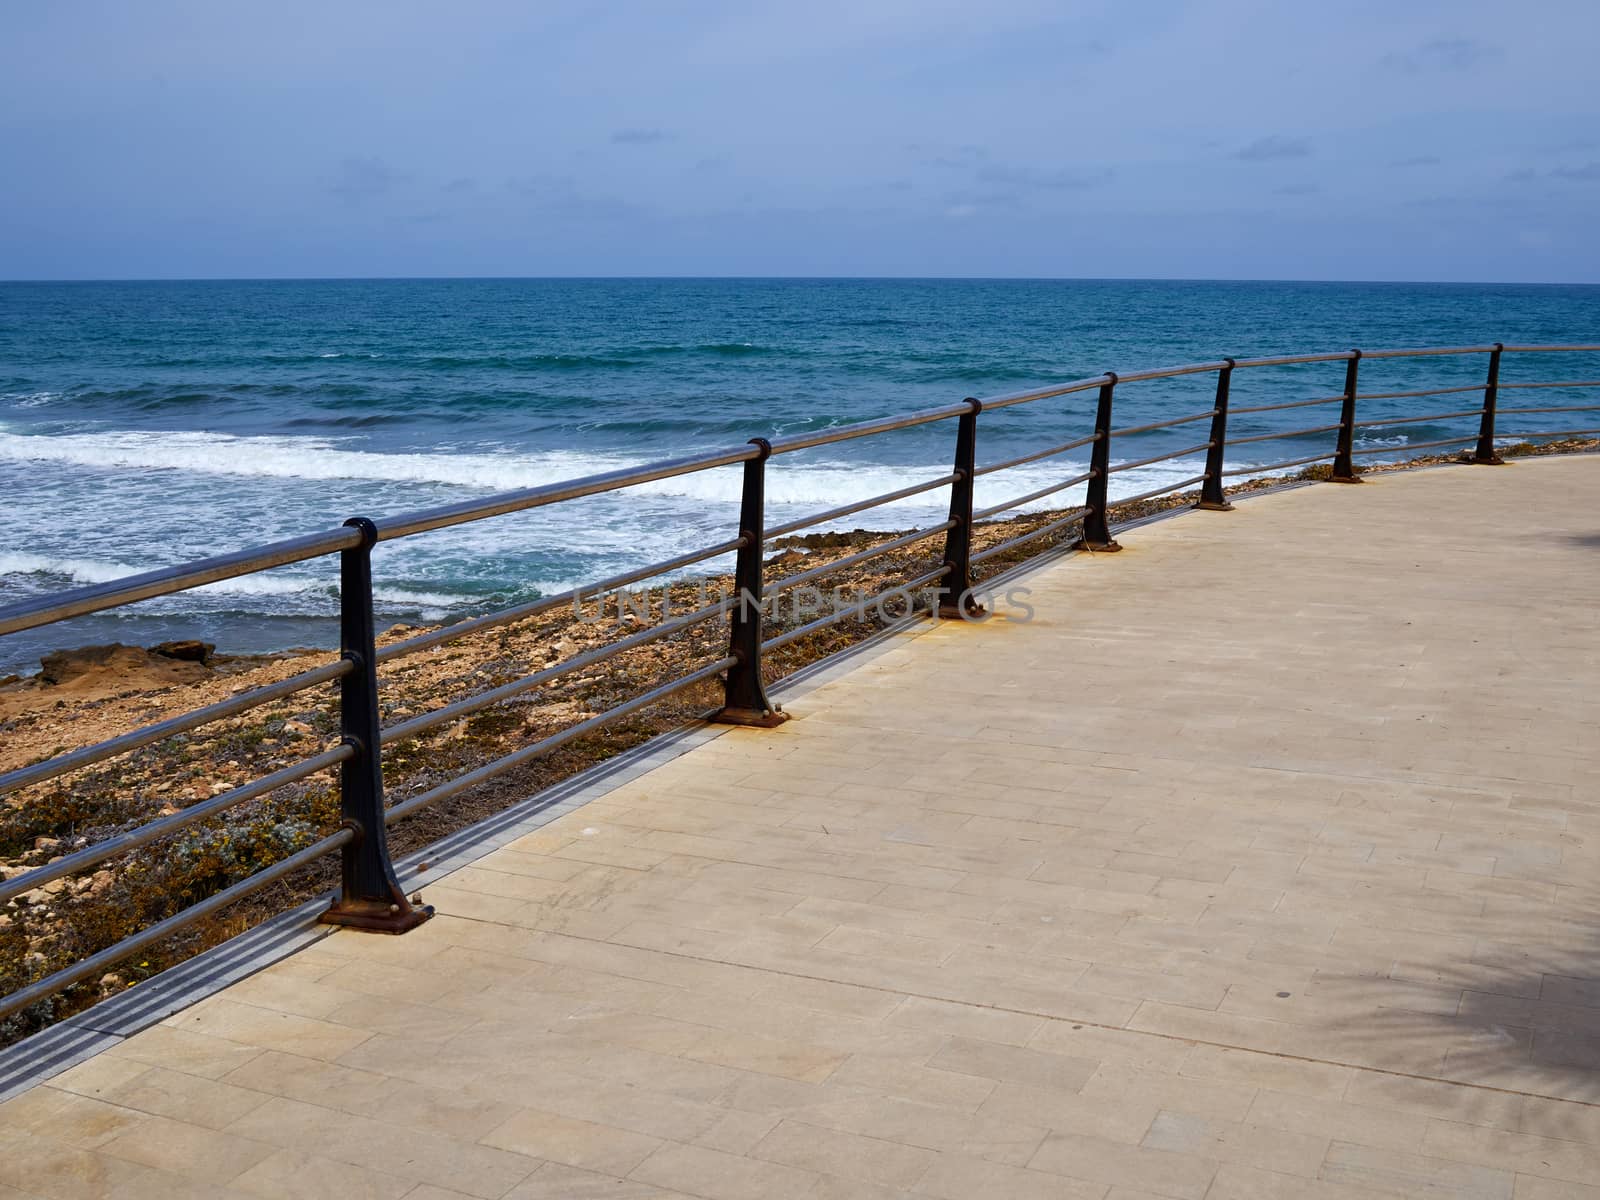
[(29, 399), (91, 570)]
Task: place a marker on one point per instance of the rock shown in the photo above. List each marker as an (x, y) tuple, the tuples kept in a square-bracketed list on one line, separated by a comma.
[(114, 667), (54, 888), (296, 729), (5, 921), (101, 882), (111, 983), (8, 680), (46, 843), (186, 650)]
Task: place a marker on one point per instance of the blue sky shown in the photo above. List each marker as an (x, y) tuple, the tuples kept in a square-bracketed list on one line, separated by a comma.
[(1206, 139)]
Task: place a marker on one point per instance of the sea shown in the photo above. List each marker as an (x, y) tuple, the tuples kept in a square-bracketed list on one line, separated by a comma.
[(144, 424)]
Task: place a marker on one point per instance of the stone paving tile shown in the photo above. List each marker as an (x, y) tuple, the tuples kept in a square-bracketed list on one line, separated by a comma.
[(1256, 884)]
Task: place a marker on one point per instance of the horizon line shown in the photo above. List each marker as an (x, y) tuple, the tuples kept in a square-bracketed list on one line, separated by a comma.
[(621, 278)]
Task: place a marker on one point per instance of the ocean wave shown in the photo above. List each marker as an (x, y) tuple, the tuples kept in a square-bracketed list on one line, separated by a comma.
[(30, 399), (314, 459)]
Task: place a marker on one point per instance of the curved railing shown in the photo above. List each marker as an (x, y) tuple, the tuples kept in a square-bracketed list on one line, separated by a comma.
[(371, 897)]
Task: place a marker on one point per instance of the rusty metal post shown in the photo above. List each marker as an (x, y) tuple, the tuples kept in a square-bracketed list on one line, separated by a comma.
[(1211, 496), (955, 590), (370, 897), (1484, 453), (744, 695), (1096, 532), (1344, 468)]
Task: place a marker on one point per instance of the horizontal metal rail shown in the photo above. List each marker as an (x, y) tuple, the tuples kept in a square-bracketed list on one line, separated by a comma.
[(844, 510), (1285, 360), (1044, 491), (1278, 466), (1428, 352), (100, 751), (93, 855), (846, 433), (1549, 434), (1420, 418), (572, 596), (1240, 411), (1171, 487), (1562, 408), (1455, 441), (1155, 458), (112, 955), (839, 564), (857, 610), (1200, 416), (1544, 349), (1074, 517), (1060, 389), (427, 519), (499, 766), (1444, 391), (1273, 437), (1570, 383), (97, 597), (1036, 455), (471, 704)]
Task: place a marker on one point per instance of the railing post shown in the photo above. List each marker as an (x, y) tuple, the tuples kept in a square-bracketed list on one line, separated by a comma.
[(744, 696), (1211, 496), (1485, 454), (370, 897), (955, 589), (1096, 532), (1344, 468)]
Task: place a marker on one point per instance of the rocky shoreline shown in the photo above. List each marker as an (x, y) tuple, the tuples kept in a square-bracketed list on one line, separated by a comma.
[(84, 696)]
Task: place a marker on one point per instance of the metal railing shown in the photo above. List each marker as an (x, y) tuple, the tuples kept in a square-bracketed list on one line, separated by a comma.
[(371, 897)]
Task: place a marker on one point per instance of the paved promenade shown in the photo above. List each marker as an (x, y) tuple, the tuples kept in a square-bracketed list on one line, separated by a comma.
[(1263, 862)]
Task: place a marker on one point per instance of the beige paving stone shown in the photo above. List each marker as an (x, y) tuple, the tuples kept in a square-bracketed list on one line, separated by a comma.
[(309, 1177), (193, 1151), (957, 1177), (1181, 1175), (68, 1118), (246, 1024), (1235, 1182), (419, 1155), (1265, 1147), (1531, 1187), (191, 1098), (967, 1020), (718, 1176), (1116, 1117), (1365, 1125), (576, 1143), (184, 1050), (1229, 1065), (1523, 1153), (556, 1181), (836, 1152), (1401, 1174), (40, 1166), (1017, 1064)]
